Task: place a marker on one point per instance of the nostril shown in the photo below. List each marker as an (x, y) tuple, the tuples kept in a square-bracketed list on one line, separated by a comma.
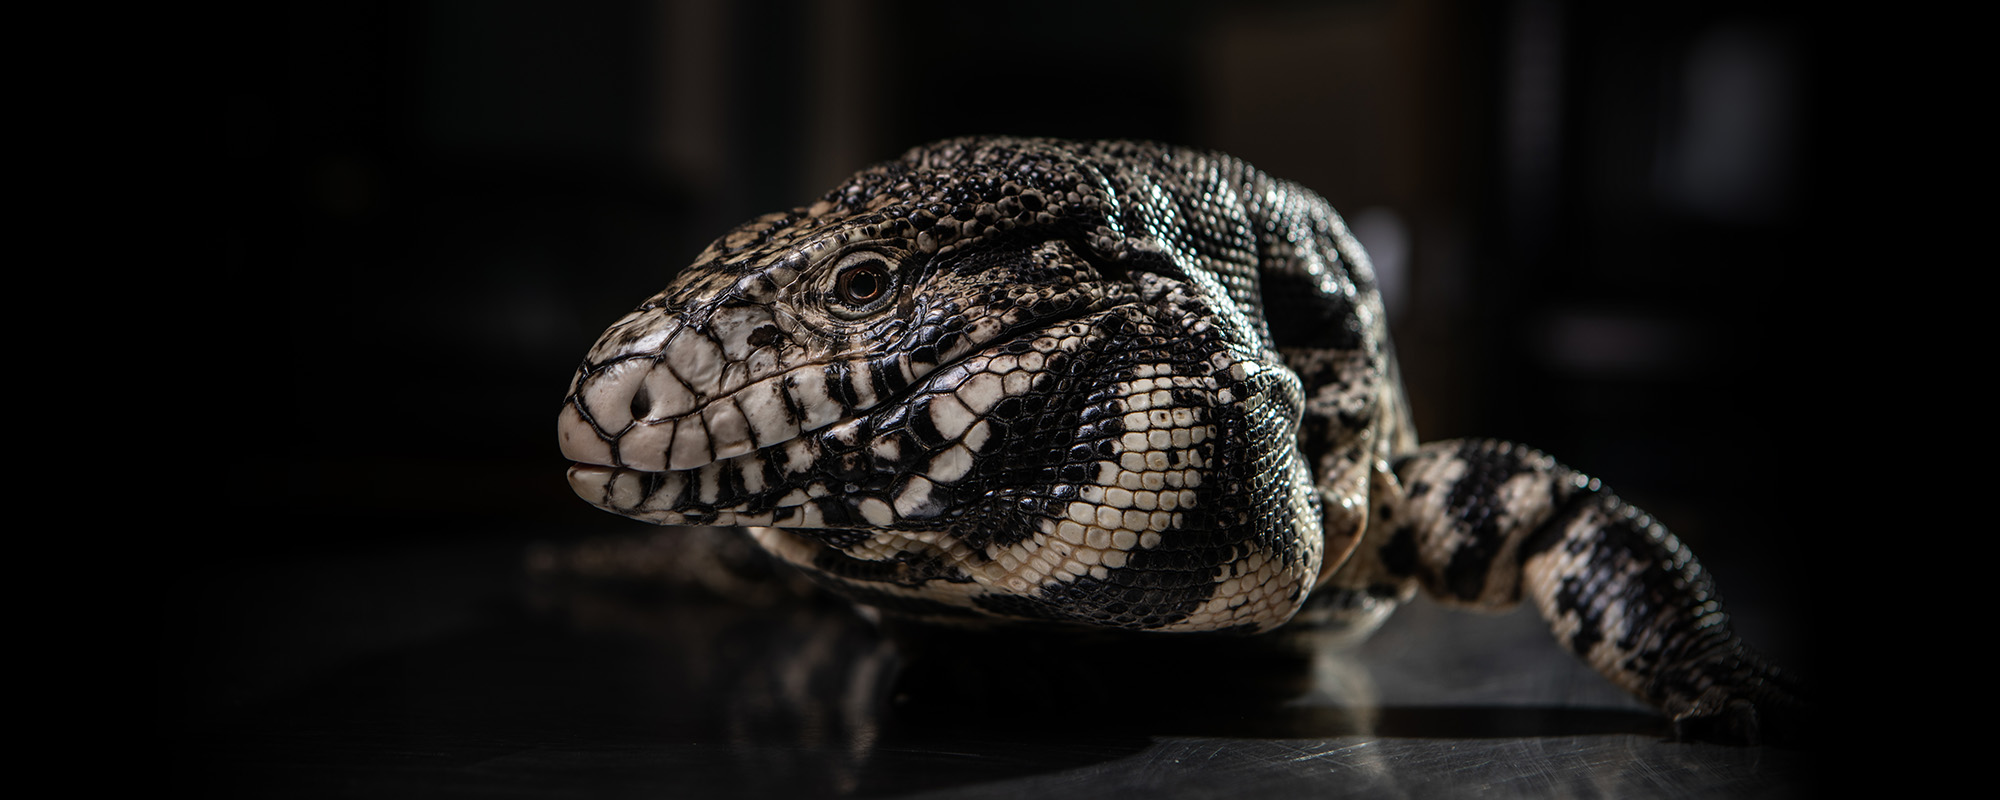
[(642, 402)]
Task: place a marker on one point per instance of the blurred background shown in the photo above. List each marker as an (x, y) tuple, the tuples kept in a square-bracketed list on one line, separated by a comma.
[(1586, 217)]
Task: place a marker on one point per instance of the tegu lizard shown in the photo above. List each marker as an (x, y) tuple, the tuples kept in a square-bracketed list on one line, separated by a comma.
[(1113, 385)]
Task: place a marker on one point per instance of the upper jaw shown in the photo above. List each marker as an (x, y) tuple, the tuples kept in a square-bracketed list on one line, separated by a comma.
[(700, 393), (672, 391), (640, 414)]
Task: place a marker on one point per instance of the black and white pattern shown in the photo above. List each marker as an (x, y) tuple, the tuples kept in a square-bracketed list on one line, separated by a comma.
[(1114, 385)]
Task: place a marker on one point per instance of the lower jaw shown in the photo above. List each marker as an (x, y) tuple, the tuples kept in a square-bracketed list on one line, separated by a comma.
[(622, 491), (614, 489)]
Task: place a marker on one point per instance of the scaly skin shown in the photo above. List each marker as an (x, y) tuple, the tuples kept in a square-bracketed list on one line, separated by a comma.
[(1111, 385)]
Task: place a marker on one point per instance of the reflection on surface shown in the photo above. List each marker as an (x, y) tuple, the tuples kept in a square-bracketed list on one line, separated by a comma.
[(567, 691), (816, 698)]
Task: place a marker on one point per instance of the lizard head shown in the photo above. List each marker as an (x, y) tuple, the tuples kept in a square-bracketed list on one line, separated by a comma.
[(952, 386)]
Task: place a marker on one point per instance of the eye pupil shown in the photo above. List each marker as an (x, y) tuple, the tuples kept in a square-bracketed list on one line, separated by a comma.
[(864, 283)]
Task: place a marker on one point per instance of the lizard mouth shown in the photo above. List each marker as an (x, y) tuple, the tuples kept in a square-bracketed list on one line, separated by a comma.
[(638, 414), (616, 489), (652, 497), (740, 458)]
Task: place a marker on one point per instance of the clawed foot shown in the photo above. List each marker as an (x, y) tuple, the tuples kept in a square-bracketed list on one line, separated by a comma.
[(1770, 718)]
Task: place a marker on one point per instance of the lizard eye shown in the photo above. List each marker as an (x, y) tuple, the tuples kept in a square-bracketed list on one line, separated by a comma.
[(863, 282)]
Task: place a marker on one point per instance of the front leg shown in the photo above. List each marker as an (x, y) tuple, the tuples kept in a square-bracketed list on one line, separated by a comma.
[(1480, 523)]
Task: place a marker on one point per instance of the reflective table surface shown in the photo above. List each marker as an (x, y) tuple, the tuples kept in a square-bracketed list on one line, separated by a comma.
[(445, 671)]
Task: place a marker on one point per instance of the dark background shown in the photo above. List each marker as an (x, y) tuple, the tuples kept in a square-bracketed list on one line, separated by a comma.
[(1591, 221)]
